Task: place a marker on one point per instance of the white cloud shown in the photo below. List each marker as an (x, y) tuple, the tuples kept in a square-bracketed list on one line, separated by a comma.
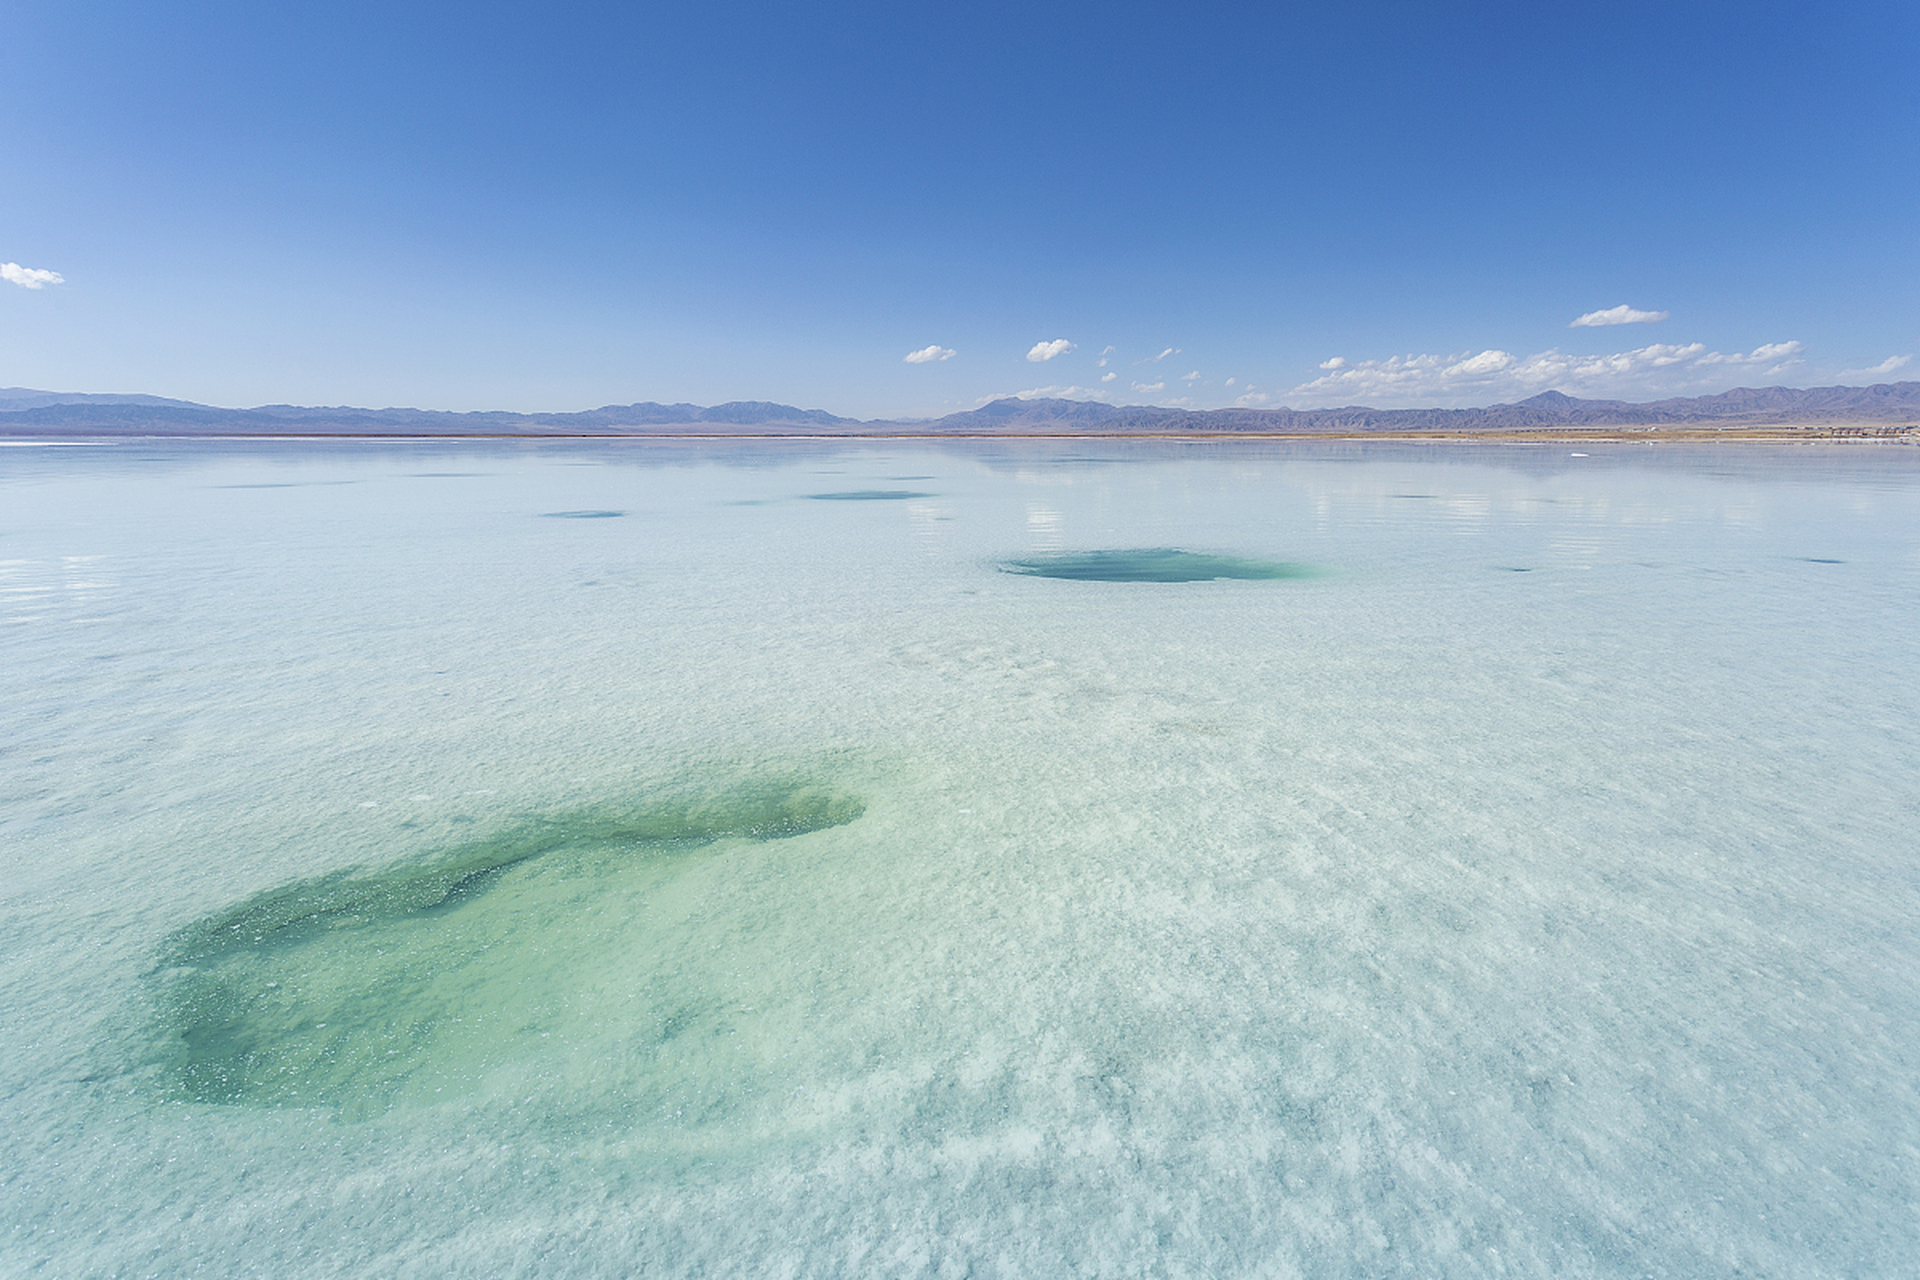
[(1622, 314), (1661, 369), (1170, 351), (1485, 362), (1889, 365), (1772, 351), (1231, 381), (1191, 377), (1337, 362), (1148, 388), (1108, 376), (1048, 350), (1102, 361), (1048, 393), (29, 277), (926, 355)]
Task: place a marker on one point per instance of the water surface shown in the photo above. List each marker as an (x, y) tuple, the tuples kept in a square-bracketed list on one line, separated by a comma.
[(1350, 861)]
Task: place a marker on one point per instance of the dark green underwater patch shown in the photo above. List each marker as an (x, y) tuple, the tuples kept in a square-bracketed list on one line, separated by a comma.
[(356, 989), (285, 484), (1152, 564)]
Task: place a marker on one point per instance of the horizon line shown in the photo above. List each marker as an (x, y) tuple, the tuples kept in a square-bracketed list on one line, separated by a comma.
[(144, 399)]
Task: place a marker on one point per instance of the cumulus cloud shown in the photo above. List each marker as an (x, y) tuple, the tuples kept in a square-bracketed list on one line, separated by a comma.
[(1191, 377), (1337, 362), (1148, 388), (1485, 362), (1170, 351), (1784, 352), (1108, 376), (1048, 350), (927, 355), (1102, 361), (29, 277), (1622, 314), (1889, 365), (1480, 378), (1047, 393)]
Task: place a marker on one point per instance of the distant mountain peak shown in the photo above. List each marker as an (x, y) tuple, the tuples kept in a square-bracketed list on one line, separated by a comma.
[(27, 412)]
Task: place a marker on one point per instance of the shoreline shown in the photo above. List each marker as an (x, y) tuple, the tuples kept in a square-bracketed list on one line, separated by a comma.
[(1862, 433)]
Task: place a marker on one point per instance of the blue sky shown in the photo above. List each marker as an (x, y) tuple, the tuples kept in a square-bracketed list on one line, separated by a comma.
[(562, 205)]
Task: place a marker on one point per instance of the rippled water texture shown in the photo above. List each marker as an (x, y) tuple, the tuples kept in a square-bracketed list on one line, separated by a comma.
[(586, 859)]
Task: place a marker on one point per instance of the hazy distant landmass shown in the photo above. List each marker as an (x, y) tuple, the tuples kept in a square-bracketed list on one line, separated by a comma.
[(23, 411), (26, 412)]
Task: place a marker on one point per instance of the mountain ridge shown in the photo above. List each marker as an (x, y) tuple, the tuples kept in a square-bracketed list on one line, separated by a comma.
[(24, 411)]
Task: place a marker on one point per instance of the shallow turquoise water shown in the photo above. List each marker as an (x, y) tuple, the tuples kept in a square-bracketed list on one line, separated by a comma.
[(402, 880)]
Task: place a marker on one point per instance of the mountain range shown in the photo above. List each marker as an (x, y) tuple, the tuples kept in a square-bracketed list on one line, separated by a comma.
[(32, 413)]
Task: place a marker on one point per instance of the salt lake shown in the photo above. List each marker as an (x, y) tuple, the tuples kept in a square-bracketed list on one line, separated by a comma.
[(1036, 858)]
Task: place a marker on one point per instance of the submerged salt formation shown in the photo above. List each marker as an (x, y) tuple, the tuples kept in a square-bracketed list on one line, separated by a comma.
[(1152, 564), (360, 990)]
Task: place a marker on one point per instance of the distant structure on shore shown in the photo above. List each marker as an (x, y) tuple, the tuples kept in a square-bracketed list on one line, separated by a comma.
[(1883, 410)]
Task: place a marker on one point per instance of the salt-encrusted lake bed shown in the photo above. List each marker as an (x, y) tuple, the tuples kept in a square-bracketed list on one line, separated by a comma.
[(1024, 858)]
